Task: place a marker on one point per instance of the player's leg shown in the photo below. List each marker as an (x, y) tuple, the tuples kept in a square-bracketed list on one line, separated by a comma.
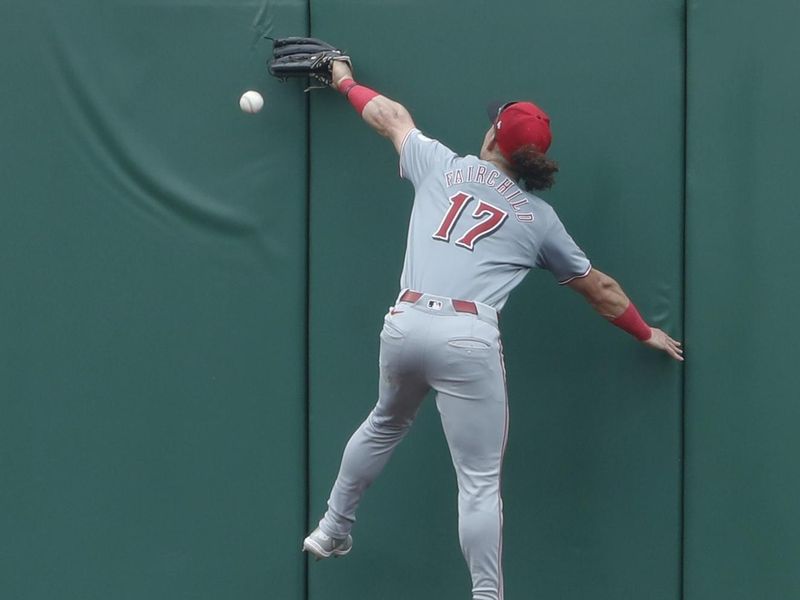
[(473, 406), (401, 391)]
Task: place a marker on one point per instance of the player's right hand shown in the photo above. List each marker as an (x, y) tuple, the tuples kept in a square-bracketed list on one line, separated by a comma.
[(661, 341)]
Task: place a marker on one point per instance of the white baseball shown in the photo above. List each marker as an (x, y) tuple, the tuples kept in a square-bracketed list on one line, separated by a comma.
[(251, 102)]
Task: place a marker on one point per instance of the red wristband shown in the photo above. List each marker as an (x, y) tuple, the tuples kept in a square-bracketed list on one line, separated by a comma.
[(632, 322), (345, 85), (358, 95)]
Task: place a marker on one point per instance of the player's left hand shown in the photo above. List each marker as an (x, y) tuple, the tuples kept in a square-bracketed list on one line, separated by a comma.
[(340, 69), (661, 341)]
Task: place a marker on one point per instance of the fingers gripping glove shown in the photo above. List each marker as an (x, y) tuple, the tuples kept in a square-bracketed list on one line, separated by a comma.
[(305, 57)]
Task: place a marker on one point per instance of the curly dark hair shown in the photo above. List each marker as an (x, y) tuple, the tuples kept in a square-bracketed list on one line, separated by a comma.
[(534, 168)]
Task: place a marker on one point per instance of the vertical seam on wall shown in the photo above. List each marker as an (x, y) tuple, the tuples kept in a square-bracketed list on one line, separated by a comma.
[(682, 510), (307, 490), (307, 390)]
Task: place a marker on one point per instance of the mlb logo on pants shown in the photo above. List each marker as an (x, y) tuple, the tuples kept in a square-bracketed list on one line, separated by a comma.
[(435, 304)]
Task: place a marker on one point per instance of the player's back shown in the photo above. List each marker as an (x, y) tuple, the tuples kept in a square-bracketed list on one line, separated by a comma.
[(474, 233)]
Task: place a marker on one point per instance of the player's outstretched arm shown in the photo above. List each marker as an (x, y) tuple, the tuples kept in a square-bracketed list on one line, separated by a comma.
[(609, 300), (387, 117)]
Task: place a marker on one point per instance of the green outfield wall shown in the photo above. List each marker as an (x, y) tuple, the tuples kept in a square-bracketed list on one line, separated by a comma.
[(742, 382), (592, 471), (152, 305), (190, 300)]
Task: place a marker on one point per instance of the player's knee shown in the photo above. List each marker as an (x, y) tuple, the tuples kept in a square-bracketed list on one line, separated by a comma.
[(380, 426), (484, 496)]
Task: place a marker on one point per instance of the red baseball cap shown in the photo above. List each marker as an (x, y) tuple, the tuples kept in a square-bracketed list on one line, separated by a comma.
[(520, 124)]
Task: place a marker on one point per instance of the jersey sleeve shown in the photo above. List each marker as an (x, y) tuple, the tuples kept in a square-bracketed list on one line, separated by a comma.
[(560, 255), (420, 154)]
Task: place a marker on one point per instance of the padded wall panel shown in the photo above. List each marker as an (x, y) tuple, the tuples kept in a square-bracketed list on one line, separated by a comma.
[(152, 256), (593, 464), (742, 480)]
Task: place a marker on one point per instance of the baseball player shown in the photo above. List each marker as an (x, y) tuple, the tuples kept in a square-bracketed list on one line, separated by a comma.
[(475, 232)]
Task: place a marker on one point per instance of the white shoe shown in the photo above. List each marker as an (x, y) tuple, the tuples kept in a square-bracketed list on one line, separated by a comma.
[(324, 546)]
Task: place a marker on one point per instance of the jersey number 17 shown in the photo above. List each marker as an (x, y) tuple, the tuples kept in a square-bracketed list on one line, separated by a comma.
[(493, 219)]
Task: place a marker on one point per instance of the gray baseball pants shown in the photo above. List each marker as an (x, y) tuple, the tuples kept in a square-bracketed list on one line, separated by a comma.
[(424, 345)]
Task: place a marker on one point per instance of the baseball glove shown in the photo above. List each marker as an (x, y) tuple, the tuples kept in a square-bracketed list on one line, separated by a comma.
[(304, 57)]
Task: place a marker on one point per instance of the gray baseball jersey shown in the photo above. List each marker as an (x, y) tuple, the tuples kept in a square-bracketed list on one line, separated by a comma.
[(474, 233)]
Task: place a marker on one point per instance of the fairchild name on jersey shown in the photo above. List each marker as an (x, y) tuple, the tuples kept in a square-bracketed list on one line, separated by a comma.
[(495, 180)]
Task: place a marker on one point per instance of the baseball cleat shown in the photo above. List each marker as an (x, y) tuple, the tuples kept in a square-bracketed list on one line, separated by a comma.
[(322, 545)]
